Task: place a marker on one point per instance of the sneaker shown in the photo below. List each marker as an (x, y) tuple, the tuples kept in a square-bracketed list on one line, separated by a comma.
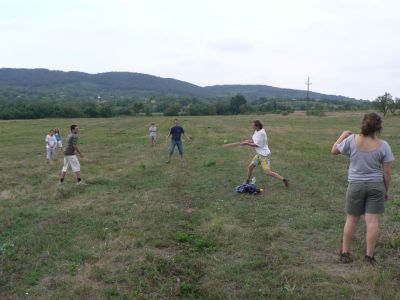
[(344, 258), (81, 183), (285, 182), (168, 161), (370, 259)]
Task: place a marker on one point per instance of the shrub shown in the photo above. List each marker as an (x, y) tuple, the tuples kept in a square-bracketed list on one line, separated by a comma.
[(316, 113)]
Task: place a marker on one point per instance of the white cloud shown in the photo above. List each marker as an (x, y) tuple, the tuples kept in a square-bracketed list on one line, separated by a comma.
[(231, 46)]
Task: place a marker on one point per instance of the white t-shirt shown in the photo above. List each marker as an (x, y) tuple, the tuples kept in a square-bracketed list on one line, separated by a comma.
[(153, 130), (261, 140), (51, 141)]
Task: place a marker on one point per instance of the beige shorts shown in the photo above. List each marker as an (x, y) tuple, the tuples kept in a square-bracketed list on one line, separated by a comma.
[(71, 160)]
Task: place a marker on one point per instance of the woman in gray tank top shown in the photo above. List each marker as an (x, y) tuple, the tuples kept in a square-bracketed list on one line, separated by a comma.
[(369, 180)]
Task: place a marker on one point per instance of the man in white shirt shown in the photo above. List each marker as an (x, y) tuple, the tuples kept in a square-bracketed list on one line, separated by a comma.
[(51, 145), (260, 142)]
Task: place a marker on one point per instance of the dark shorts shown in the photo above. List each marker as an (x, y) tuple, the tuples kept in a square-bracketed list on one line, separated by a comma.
[(365, 197), (177, 144)]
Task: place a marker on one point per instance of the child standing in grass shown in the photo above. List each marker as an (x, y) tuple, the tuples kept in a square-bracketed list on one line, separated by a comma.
[(153, 134), (58, 137), (51, 145), (260, 142)]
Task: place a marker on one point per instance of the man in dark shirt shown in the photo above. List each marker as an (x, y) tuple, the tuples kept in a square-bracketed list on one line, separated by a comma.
[(70, 159), (175, 134)]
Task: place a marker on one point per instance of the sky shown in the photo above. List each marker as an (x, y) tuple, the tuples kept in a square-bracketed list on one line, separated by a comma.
[(347, 47)]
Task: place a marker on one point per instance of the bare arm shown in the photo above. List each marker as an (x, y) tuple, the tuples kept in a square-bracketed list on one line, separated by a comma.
[(77, 150), (387, 176), (249, 143), (344, 135)]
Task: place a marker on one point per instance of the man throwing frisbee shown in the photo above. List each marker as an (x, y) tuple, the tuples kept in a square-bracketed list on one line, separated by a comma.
[(70, 158), (260, 142)]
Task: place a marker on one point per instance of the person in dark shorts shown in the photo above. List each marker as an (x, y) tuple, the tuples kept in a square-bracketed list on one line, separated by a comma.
[(70, 158), (369, 180), (175, 134)]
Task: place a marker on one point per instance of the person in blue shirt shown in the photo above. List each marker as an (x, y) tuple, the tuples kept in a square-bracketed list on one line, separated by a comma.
[(58, 137), (175, 134)]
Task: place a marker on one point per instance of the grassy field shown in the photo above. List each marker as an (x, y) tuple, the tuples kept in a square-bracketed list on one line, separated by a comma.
[(142, 229)]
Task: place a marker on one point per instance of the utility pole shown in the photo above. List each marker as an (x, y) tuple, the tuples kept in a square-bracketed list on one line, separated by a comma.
[(308, 83)]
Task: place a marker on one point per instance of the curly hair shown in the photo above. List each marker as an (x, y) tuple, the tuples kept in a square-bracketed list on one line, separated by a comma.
[(371, 124)]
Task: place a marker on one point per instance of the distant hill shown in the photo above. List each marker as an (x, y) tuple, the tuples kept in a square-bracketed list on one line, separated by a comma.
[(257, 91), (125, 84), (83, 83)]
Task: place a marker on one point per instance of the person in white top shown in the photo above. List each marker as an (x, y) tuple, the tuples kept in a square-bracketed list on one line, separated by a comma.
[(51, 145), (153, 134), (260, 142)]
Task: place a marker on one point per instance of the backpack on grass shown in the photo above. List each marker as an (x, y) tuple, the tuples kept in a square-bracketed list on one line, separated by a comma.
[(247, 188)]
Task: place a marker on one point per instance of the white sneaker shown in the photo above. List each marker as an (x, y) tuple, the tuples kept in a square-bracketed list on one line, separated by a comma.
[(81, 183)]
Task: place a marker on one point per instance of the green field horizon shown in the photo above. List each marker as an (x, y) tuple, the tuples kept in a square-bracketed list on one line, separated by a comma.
[(143, 229)]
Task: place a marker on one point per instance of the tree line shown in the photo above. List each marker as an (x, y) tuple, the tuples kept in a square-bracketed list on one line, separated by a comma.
[(386, 103), (23, 108)]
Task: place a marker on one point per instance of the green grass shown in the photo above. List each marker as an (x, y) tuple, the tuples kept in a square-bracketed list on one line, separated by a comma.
[(142, 229)]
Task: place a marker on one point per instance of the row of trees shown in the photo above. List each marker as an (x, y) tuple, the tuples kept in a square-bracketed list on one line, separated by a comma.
[(236, 105), (37, 110), (386, 104), (170, 106)]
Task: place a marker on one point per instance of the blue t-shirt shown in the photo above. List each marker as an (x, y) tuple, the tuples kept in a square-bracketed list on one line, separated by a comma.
[(176, 133), (58, 137)]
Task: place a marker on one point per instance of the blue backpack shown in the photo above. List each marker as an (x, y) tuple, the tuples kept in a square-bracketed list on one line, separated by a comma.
[(249, 188)]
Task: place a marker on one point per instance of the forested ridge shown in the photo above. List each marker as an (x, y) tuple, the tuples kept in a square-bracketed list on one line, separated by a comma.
[(42, 93)]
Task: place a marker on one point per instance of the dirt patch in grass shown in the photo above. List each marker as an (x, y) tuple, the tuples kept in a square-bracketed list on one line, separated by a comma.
[(6, 195)]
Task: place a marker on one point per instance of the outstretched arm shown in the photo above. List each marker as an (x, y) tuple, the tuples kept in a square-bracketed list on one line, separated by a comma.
[(344, 135), (249, 143)]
